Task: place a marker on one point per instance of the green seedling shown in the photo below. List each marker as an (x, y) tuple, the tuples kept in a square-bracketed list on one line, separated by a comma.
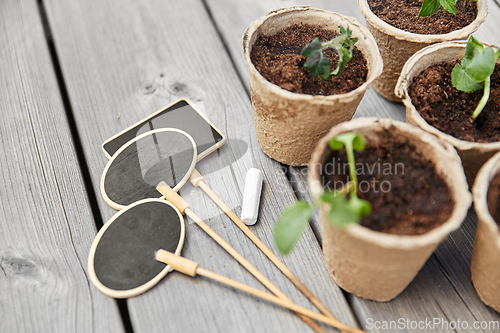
[(343, 207), (474, 71), (429, 7), (318, 64)]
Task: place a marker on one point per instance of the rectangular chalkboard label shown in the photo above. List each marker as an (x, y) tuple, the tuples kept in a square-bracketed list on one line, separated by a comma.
[(182, 115)]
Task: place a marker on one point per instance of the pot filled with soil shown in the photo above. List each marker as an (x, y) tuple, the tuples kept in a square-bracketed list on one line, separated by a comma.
[(434, 102), (293, 108), (416, 193), (485, 266), (400, 31)]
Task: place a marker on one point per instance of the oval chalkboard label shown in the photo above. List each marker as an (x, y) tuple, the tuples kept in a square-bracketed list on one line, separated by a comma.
[(136, 169), (122, 260)]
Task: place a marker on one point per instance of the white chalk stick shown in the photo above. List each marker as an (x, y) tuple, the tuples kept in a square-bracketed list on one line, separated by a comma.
[(251, 196)]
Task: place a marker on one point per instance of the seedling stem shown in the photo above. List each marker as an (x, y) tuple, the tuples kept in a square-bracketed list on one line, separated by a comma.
[(483, 101), (343, 207)]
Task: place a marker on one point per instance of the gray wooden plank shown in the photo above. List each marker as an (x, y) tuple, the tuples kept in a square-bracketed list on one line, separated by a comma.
[(443, 288), (46, 223), (123, 60)]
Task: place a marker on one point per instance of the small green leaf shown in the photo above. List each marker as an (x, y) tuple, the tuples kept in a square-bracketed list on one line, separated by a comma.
[(359, 143), (325, 69), (429, 7), (362, 206), (291, 224), (312, 47), (356, 139), (338, 211), (344, 56), (497, 55), (343, 211), (472, 44), (336, 144), (482, 65), (462, 81), (472, 47), (343, 30), (318, 65), (449, 6), (313, 59)]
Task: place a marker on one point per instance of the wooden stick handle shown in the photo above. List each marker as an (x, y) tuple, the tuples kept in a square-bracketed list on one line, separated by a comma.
[(263, 248), (265, 281), (173, 197), (183, 207), (273, 299), (196, 178), (178, 263), (191, 268), (235, 254)]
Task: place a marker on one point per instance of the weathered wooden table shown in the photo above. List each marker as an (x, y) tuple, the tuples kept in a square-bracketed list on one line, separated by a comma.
[(72, 74)]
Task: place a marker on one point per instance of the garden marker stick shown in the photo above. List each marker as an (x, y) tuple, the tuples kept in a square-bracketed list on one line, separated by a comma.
[(198, 180), (184, 208), (192, 269), (169, 155)]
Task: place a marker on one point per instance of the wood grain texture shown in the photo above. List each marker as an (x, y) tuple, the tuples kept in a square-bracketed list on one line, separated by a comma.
[(123, 60), (46, 224), (443, 288)]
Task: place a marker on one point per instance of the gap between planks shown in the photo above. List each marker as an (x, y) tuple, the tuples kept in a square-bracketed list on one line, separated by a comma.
[(91, 195)]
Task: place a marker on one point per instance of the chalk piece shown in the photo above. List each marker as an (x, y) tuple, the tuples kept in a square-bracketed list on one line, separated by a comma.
[(251, 196)]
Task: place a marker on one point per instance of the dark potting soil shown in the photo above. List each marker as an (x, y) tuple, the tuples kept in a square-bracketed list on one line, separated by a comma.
[(494, 198), (403, 14), (407, 196), (449, 110), (278, 59)]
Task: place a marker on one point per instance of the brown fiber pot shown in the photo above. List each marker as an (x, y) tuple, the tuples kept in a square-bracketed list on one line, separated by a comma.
[(485, 266), (397, 45), (473, 154), (375, 265), (289, 125)]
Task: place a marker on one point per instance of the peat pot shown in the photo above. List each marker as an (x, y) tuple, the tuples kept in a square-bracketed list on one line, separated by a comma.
[(485, 266), (473, 154), (397, 45), (376, 265), (288, 124)]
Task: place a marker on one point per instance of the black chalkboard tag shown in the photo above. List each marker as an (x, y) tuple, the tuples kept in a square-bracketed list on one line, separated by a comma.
[(135, 170), (122, 258), (182, 115)]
